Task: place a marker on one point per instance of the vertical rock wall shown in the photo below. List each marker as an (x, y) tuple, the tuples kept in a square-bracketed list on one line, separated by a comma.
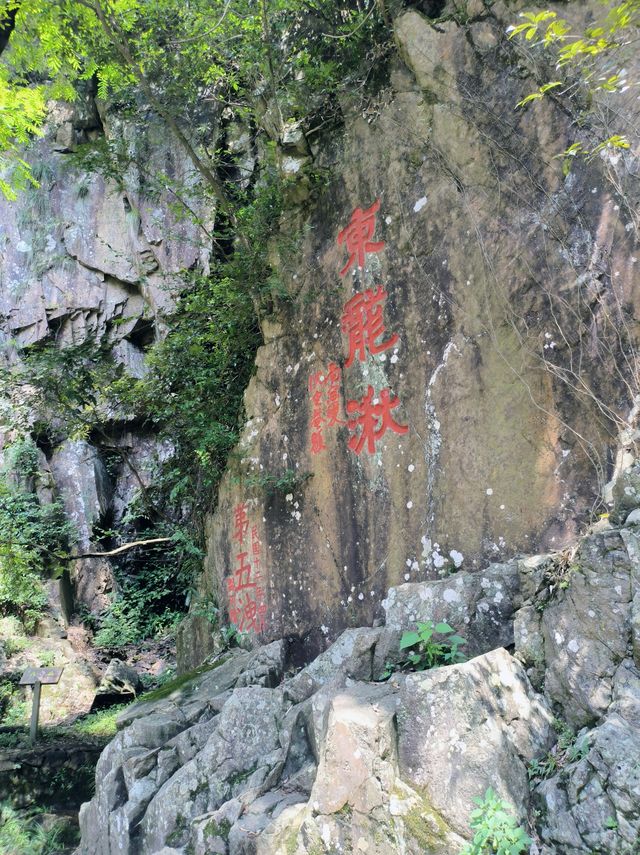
[(86, 259), (499, 345)]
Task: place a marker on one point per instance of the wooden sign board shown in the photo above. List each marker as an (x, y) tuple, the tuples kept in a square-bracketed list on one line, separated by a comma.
[(45, 676)]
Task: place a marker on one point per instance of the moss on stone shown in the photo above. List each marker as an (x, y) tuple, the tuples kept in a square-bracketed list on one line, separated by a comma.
[(240, 777), (425, 825), (178, 683), (218, 829)]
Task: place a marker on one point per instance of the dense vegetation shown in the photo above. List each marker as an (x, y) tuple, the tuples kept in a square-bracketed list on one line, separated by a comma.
[(33, 537), (198, 67)]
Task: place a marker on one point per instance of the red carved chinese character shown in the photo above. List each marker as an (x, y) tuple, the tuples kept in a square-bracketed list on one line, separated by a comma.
[(317, 443), (357, 236), (315, 380), (362, 322), (374, 417), (255, 542), (243, 573), (333, 396), (241, 522), (246, 597)]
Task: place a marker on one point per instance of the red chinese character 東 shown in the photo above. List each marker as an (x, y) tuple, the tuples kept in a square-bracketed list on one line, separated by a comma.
[(374, 417), (357, 236), (362, 322), (241, 522)]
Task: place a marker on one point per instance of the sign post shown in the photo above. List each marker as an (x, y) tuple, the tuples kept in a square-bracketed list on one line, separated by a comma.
[(37, 677)]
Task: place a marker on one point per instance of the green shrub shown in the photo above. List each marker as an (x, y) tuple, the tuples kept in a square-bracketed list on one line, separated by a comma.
[(100, 724), (496, 829), (153, 591), (426, 651), (33, 538), (22, 834)]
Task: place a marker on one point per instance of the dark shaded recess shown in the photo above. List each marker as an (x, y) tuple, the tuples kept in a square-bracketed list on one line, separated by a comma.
[(223, 242), (65, 588), (143, 335), (104, 700), (6, 28), (302, 649), (59, 775), (101, 530), (429, 8), (44, 442)]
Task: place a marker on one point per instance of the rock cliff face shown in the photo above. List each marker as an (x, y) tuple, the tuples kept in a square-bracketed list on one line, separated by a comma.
[(448, 390), (252, 756), (85, 259)]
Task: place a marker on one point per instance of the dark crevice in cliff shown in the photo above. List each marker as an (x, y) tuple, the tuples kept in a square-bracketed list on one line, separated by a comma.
[(429, 8), (143, 334)]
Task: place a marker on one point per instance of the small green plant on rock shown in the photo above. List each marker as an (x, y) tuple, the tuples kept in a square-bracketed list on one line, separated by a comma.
[(496, 829), (426, 651), (569, 748)]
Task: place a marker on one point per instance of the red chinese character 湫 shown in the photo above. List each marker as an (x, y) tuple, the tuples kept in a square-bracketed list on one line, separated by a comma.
[(357, 236), (241, 522), (362, 322), (247, 608), (374, 417)]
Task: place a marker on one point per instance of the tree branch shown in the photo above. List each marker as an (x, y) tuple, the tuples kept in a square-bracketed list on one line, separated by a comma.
[(121, 549)]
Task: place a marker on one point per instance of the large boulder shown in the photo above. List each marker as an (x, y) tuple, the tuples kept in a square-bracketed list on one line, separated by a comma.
[(120, 684), (576, 635), (465, 728)]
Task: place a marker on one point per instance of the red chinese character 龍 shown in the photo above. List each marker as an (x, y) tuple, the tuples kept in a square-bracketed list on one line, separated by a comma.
[(241, 522), (357, 236), (362, 322), (374, 417)]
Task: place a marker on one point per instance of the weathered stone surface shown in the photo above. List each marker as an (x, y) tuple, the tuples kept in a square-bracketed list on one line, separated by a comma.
[(587, 629), (479, 606), (325, 761), (85, 490), (626, 493), (121, 683), (44, 775), (490, 466), (83, 484), (593, 805), (478, 726)]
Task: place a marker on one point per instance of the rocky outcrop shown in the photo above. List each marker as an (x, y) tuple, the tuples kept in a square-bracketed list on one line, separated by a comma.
[(340, 756)]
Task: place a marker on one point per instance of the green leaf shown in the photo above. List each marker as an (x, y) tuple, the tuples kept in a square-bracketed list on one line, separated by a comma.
[(443, 628), (409, 639)]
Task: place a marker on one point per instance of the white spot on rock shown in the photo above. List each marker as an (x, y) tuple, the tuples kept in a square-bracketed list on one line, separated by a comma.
[(456, 557)]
